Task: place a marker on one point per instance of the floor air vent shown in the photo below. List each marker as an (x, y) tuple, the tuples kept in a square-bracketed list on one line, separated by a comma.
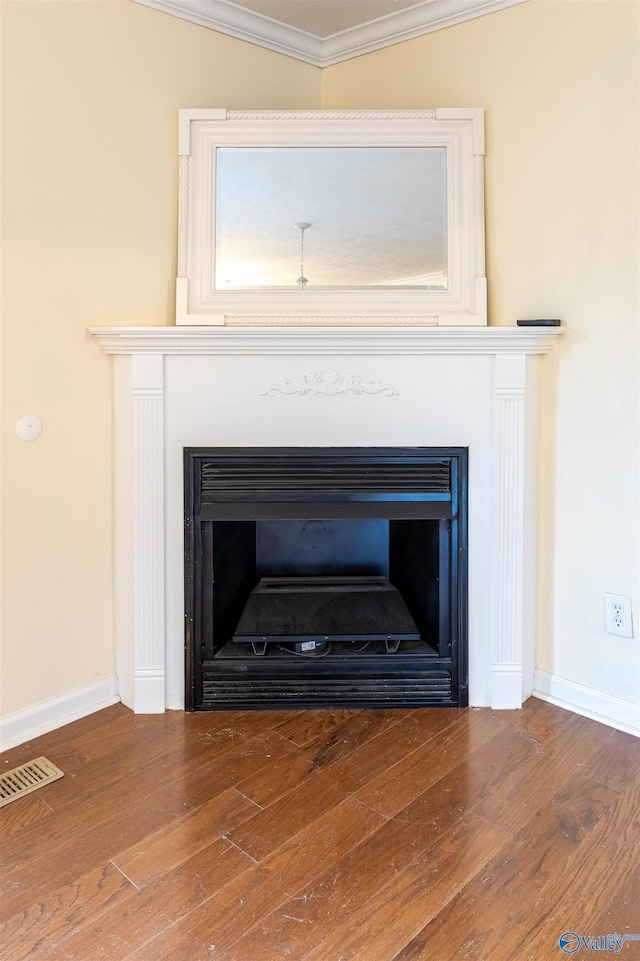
[(26, 778)]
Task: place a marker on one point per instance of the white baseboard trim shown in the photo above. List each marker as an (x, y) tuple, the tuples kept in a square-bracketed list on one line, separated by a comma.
[(506, 687), (605, 708), (148, 691), (49, 715)]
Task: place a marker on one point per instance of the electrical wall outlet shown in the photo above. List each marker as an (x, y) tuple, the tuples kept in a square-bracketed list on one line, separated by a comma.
[(617, 610)]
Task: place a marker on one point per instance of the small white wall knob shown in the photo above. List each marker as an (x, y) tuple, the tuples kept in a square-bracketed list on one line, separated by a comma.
[(29, 428)]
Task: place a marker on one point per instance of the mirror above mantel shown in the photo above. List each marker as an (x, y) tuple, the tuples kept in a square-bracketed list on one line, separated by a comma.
[(336, 218)]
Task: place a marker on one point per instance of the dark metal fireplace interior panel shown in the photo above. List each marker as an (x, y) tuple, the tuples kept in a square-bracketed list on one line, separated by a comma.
[(326, 609), (325, 577)]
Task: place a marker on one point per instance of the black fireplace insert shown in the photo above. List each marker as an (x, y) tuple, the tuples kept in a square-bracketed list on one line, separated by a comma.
[(313, 612), (325, 577)]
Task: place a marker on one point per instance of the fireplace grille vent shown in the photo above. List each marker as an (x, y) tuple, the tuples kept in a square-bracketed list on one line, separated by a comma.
[(365, 691), (305, 474)]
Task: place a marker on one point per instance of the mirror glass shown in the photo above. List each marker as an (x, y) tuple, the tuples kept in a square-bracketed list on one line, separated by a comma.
[(374, 216)]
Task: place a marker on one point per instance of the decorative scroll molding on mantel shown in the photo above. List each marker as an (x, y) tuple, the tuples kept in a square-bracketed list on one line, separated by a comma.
[(310, 341), (329, 383)]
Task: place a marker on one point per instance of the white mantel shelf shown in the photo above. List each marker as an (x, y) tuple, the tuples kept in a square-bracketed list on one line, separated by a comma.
[(326, 340), (282, 386)]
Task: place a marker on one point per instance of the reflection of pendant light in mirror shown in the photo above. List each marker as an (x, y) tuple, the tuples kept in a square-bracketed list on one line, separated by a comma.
[(302, 280)]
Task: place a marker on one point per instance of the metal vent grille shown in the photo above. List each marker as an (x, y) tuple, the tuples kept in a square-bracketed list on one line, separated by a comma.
[(26, 778), (273, 691), (300, 474)]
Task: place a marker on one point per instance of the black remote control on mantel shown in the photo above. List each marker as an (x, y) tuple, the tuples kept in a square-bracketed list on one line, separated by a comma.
[(538, 323)]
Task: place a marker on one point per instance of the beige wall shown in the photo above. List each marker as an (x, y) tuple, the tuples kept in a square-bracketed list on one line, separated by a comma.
[(90, 93), (559, 82)]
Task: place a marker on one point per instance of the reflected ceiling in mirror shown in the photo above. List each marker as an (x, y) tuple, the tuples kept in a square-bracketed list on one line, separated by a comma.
[(377, 216)]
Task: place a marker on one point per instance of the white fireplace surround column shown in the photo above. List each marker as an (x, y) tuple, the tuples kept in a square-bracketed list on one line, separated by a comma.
[(177, 387)]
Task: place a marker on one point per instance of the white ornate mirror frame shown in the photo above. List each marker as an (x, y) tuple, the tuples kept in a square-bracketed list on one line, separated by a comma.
[(462, 302)]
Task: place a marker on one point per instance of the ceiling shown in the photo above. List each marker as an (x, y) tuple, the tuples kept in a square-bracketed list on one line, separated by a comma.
[(323, 18), (323, 32)]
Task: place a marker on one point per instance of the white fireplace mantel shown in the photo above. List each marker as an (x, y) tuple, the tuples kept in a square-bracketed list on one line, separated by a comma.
[(326, 340), (177, 387)]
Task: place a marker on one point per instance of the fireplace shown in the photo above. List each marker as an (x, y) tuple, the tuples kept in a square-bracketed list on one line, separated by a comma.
[(302, 387), (326, 577)]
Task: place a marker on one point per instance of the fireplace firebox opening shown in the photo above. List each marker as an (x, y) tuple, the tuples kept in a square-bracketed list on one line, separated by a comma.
[(325, 577)]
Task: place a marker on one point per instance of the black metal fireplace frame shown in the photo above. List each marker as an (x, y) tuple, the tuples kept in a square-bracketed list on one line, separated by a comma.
[(235, 487)]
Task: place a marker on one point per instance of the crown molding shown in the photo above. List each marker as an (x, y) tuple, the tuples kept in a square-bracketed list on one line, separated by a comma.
[(422, 18), (244, 24)]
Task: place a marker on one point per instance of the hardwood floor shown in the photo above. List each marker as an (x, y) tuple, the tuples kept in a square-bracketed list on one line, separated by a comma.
[(324, 836)]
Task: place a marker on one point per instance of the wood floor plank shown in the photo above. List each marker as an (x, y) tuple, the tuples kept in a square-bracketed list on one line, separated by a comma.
[(125, 735), (249, 723), (304, 726), (331, 746), (339, 752), (149, 754), (602, 893), (389, 747), (269, 784), (276, 824), (402, 782), (172, 845), (25, 935), (587, 748), (114, 934), (218, 923), (495, 912), (617, 762), (400, 909), (558, 732), (540, 720), (486, 774), (312, 913), (525, 787), (20, 813)]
